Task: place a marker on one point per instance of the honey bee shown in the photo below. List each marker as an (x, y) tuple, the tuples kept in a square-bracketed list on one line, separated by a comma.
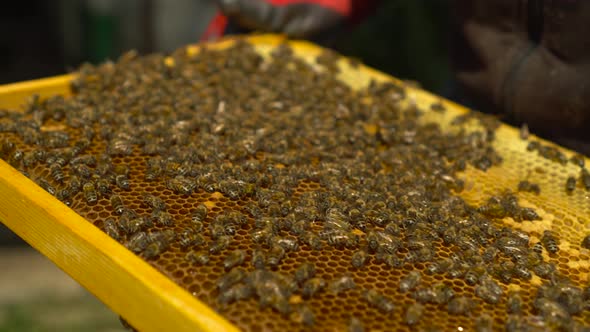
[(103, 187), (460, 306), (488, 290), (410, 281), (341, 284), (231, 278), (138, 242), (117, 204), (381, 302), (220, 244), (440, 266), (304, 272), (529, 187), (578, 160), (483, 323), (181, 185), (275, 255), (90, 193), (237, 292), (473, 274), (550, 242), (132, 224), (312, 287), (46, 186), (289, 244), (514, 303), (570, 184), (122, 181), (197, 257), (258, 259), (355, 325), (553, 312), (162, 218), (199, 213), (154, 202), (359, 258), (544, 270), (302, 314), (188, 238), (413, 313), (154, 249), (312, 240), (234, 259), (75, 185), (585, 242), (82, 170), (110, 228)]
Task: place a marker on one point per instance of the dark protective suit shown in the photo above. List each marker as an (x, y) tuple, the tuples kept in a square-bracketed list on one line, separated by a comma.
[(530, 58)]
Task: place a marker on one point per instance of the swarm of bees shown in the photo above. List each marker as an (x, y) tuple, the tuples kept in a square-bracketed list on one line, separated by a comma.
[(316, 173)]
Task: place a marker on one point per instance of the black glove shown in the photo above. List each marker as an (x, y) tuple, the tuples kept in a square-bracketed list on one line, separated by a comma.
[(294, 18)]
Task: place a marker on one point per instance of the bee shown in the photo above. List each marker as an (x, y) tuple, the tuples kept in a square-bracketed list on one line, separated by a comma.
[(355, 325), (46, 186), (275, 255), (483, 323), (359, 258), (237, 292), (381, 302), (585, 242), (122, 181), (585, 178), (132, 224), (393, 229), (154, 249), (460, 306), (341, 284), (570, 184), (138, 242), (154, 202), (188, 238), (258, 259), (312, 286), (64, 195), (413, 313), (90, 193), (231, 278), (289, 244), (544, 270), (89, 160), (391, 260), (103, 187), (197, 257), (514, 303), (488, 290), (110, 228), (220, 244), (199, 213), (302, 314), (181, 185), (410, 281), (550, 242), (81, 170), (312, 240), (578, 160), (57, 173), (529, 187), (553, 312), (162, 218), (117, 204), (304, 272), (473, 274), (440, 266), (234, 259)]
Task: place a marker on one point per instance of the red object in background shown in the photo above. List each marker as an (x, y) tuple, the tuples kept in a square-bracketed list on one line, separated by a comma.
[(353, 10)]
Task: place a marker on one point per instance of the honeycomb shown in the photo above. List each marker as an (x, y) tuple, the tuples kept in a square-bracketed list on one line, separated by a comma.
[(436, 171)]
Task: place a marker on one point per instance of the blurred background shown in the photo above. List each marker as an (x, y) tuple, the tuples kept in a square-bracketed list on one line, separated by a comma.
[(406, 38)]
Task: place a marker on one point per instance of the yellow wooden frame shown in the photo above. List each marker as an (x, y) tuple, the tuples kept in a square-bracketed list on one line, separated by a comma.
[(127, 284)]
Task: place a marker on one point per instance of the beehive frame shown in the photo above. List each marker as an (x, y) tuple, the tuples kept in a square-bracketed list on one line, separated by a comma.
[(145, 297)]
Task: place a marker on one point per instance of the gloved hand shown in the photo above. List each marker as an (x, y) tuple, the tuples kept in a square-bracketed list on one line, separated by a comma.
[(296, 18), (539, 76)]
